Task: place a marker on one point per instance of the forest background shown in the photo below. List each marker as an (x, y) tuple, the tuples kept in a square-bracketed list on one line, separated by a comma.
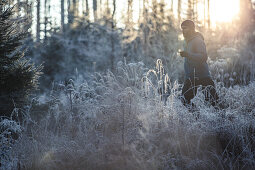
[(80, 83)]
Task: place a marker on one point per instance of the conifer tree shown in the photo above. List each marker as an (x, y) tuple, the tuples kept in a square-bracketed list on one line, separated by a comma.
[(17, 75)]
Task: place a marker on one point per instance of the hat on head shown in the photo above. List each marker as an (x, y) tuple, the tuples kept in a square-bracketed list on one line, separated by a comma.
[(188, 23)]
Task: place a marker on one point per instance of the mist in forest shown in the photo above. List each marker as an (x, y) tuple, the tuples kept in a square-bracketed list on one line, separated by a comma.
[(98, 84)]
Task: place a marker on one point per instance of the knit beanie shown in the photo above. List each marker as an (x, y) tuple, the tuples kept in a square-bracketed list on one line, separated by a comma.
[(188, 23)]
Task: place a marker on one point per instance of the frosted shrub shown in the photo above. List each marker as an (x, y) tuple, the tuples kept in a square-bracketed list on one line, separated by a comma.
[(86, 48), (9, 132), (223, 69), (111, 122), (233, 66), (157, 82), (130, 74), (228, 53)]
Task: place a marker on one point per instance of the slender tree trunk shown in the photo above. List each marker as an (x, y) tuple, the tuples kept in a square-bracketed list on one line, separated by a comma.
[(100, 8), (208, 14), (83, 6), (145, 10), (77, 11), (162, 9), (145, 27), (112, 38), (87, 8), (62, 15), (189, 12), (195, 10), (130, 11), (204, 13), (74, 9), (155, 13), (179, 10), (45, 19), (70, 12), (49, 21), (29, 14), (247, 12), (95, 9), (107, 4), (172, 5), (108, 12), (38, 21), (139, 17), (144, 7)]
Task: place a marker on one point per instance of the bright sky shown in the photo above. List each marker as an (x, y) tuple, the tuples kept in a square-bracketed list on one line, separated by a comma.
[(220, 10), (224, 10)]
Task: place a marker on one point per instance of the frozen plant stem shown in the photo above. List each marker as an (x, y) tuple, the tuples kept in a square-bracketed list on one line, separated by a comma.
[(70, 97), (123, 127)]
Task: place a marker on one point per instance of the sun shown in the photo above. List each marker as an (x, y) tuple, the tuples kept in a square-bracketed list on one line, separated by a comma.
[(224, 10)]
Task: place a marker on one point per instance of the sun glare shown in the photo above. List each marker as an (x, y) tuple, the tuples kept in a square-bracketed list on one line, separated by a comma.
[(221, 11), (224, 10)]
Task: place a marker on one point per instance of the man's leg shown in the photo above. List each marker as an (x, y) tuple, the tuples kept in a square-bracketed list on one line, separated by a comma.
[(188, 92), (210, 91)]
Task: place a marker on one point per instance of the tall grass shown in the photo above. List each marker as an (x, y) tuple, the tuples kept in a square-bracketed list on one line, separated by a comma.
[(120, 122)]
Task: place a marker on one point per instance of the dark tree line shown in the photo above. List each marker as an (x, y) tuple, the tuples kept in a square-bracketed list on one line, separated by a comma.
[(18, 76)]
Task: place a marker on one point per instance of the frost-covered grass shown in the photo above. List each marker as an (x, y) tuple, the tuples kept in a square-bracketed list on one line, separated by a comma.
[(119, 122), (233, 63)]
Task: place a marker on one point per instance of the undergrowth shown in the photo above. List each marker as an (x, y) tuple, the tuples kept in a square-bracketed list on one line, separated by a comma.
[(121, 121)]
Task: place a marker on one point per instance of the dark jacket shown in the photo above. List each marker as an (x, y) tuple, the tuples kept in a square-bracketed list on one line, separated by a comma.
[(195, 64)]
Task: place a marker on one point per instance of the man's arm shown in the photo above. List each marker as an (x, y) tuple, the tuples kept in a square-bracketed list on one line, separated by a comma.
[(199, 54)]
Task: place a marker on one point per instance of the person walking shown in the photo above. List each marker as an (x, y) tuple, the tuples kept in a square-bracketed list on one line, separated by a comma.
[(196, 67)]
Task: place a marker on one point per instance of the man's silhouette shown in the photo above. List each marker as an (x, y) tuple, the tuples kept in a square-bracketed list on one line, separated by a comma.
[(195, 66)]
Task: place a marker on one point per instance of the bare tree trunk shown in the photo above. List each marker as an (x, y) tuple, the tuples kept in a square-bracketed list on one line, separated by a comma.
[(161, 14), (144, 7), (29, 13), (38, 21), (162, 9), (130, 11), (145, 28), (172, 5), (45, 19), (204, 14), (189, 11), (107, 4), (68, 11), (49, 19), (195, 10), (112, 38), (62, 15), (100, 8), (179, 10), (27, 8), (208, 15), (155, 14), (95, 9), (83, 6), (139, 12), (108, 12), (87, 8), (74, 9), (247, 12), (77, 8)]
